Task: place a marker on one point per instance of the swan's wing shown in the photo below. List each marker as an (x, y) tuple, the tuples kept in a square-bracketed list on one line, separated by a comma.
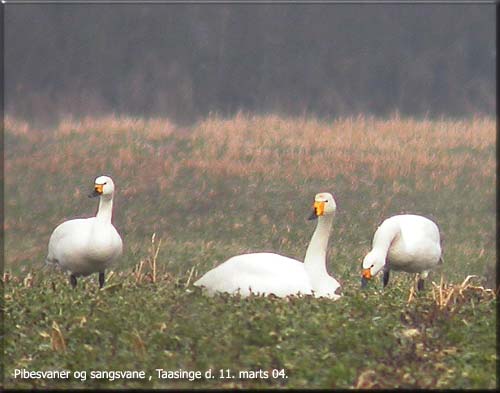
[(117, 243), (105, 243), (262, 273), (70, 247), (421, 236), (418, 247), (68, 238)]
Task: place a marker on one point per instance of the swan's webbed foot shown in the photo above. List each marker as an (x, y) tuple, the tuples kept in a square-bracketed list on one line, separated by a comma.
[(101, 279), (72, 280)]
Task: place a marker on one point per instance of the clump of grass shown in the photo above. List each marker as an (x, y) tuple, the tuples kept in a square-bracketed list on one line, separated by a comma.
[(449, 299), (57, 340), (150, 263), (448, 296)]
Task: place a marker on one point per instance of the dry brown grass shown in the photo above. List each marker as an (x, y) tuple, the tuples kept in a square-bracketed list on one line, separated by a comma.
[(361, 148), (146, 269), (156, 128), (57, 340), (395, 148), (447, 295)]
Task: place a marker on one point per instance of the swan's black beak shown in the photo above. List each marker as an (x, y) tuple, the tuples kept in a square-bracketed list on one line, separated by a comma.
[(97, 191), (94, 194), (313, 215), (365, 276), (318, 210)]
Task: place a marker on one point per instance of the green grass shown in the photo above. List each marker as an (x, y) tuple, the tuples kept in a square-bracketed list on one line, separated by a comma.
[(224, 187), (319, 343)]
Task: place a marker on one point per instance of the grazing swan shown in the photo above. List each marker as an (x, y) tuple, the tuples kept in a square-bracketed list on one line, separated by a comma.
[(88, 245), (405, 242), (269, 273)]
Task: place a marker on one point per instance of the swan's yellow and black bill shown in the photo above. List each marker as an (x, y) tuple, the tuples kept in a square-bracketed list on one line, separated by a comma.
[(366, 275), (318, 210), (98, 189)]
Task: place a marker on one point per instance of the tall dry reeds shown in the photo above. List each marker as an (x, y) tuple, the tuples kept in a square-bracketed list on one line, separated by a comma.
[(363, 148), (394, 148)]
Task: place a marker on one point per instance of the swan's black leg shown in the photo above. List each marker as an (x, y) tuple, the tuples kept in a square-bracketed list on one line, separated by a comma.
[(420, 284), (386, 277), (386, 274), (72, 280), (101, 279)]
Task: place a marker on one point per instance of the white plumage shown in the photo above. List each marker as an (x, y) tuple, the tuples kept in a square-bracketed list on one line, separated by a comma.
[(408, 243), (268, 273), (88, 245)]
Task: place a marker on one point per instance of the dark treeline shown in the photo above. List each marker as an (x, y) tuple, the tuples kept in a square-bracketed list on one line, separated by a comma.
[(186, 60)]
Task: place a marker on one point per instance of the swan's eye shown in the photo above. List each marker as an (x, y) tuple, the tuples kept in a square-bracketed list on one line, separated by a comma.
[(372, 265)]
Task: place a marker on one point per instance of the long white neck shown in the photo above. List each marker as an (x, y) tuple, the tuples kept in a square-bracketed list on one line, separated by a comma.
[(315, 259), (105, 209), (384, 236)]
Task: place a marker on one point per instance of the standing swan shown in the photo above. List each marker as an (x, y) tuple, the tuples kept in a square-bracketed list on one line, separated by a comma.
[(88, 245), (269, 273), (405, 242)]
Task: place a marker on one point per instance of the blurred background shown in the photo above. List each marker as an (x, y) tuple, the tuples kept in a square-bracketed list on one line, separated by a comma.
[(185, 61)]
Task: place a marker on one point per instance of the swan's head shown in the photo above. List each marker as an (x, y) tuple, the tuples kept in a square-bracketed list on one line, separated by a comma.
[(103, 186), (324, 204), (372, 264)]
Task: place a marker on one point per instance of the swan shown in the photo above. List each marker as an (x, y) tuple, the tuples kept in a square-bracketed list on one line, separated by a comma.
[(268, 273), (88, 245), (406, 242)]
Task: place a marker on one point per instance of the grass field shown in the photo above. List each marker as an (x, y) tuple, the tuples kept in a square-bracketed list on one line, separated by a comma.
[(227, 186)]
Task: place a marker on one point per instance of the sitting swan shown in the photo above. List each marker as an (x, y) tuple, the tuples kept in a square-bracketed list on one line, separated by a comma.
[(88, 245), (269, 273), (405, 242)]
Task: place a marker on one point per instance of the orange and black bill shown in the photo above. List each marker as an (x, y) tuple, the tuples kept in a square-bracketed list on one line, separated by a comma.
[(318, 210), (365, 276), (97, 191)]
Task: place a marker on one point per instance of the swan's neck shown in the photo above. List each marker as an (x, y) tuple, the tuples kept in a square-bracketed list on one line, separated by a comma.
[(315, 259), (383, 239), (105, 209)]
